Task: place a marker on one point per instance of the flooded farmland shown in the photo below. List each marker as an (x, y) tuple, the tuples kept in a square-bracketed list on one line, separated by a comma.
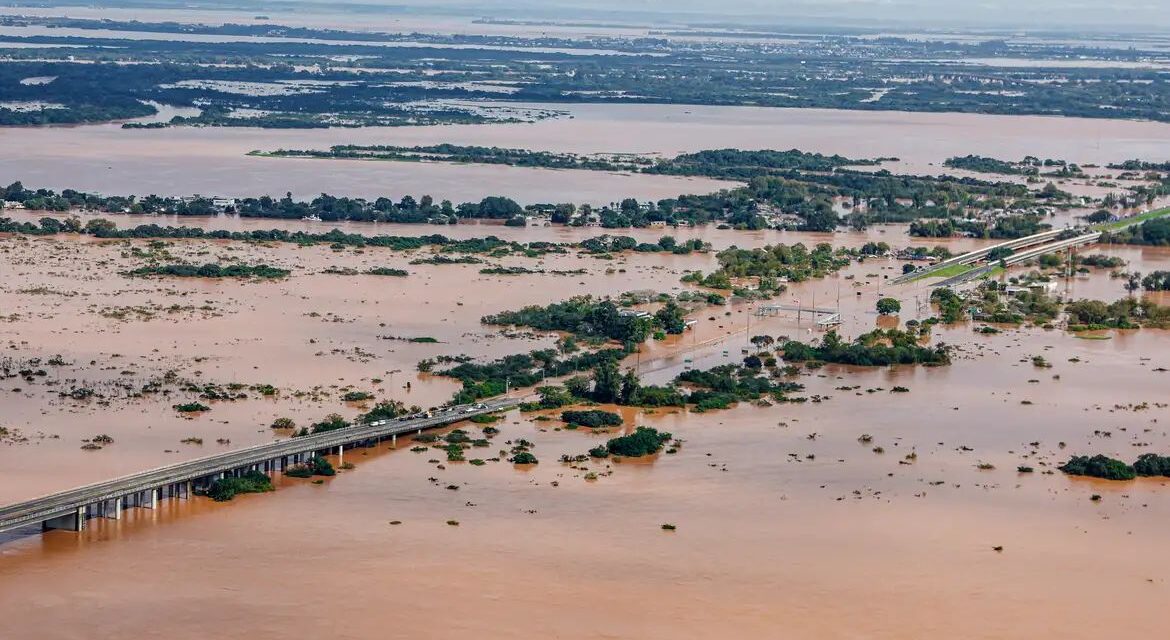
[(819, 516), (912, 501)]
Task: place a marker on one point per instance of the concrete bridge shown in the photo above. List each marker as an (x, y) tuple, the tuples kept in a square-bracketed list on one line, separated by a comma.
[(70, 509), (972, 257), (1036, 245), (1023, 256)]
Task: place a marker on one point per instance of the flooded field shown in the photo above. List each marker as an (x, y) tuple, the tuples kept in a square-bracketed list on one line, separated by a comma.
[(212, 161), (785, 520)]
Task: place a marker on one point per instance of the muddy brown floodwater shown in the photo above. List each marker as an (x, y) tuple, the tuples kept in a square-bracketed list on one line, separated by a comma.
[(787, 524), (212, 161)]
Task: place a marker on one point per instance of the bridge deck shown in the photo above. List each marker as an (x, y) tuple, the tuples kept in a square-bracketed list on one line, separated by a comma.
[(63, 503)]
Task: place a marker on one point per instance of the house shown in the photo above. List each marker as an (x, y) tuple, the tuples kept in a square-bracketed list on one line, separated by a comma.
[(658, 224)]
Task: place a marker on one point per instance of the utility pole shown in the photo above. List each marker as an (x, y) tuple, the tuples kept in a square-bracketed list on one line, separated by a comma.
[(748, 336)]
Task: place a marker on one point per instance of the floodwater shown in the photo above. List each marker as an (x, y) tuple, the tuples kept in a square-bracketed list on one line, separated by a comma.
[(342, 20), (166, 36), (787, 524), (212, 161)]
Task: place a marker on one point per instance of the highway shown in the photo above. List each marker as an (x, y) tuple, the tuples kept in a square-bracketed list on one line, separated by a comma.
[(1042, 243), (267, 456), (978, 254), (1024, 256)]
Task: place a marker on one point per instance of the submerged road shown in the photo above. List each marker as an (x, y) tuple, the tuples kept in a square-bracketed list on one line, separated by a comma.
[(69, 509)]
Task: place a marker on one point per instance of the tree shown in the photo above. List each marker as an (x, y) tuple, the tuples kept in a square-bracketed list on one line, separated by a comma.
[(499, 207), (887, 306), (821, 218), (100, 226), (908, 268), (631, 385), (579, 386), (607, 382), (763, 342), (1134, 281), (670, 317), (1156, 281)]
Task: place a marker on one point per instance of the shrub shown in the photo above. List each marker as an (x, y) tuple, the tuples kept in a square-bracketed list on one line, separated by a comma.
[(593, 418), (643, 441), (191, 407), (299, 471), (454, 453), (1099, 466), (225, 489), (524, 457), (316, 466), (1152, 464)]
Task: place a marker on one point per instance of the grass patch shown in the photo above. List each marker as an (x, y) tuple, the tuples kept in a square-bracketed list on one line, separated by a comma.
[(945, 272), (1121, 224)]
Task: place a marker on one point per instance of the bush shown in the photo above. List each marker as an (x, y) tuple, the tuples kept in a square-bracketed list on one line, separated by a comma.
[(225, 489), (332, 422), (316, 466), (1099, 466), (592, 418), (299, 471), (1152, 464), (191, 407), (643, 441), (523, 457)]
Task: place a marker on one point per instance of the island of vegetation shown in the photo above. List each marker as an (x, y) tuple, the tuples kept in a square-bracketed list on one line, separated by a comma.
[(1100, 466)]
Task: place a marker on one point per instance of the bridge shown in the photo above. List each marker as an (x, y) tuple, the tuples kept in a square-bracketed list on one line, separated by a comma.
[(972, 257), (70, 509), (1036, 244), (1024, 256)]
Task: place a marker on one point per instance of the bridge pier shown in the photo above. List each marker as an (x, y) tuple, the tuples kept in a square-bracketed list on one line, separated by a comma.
[(74, 521), (394, 441), (340, 454)]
